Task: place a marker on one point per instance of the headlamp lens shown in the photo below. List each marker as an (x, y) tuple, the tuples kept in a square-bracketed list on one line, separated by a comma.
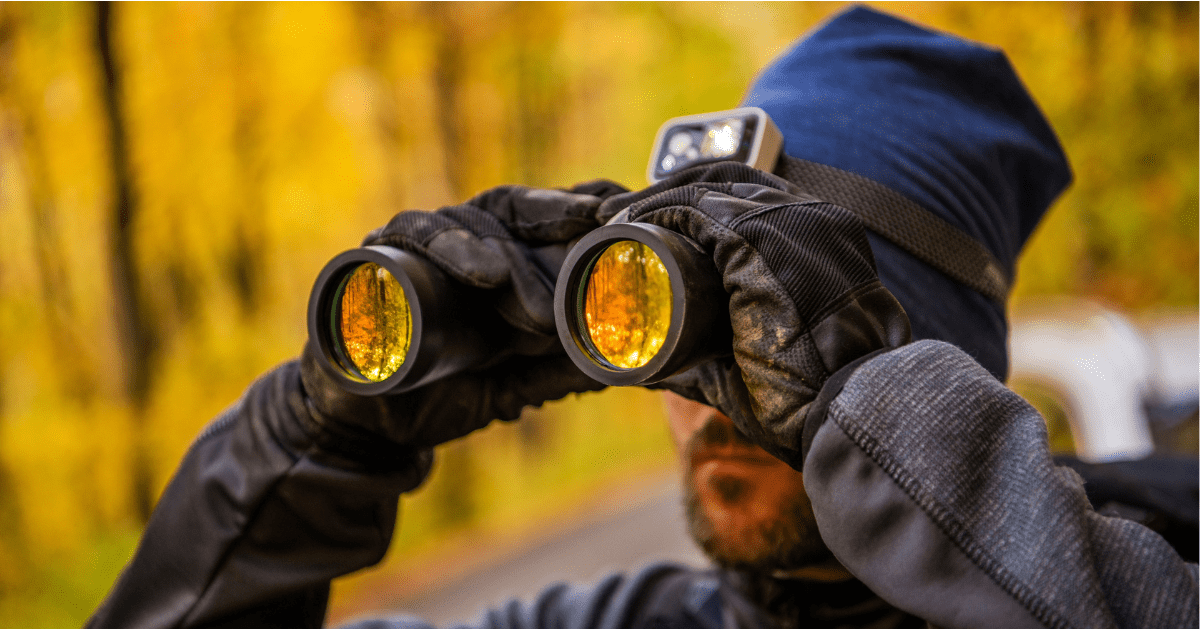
[(627, 304), (722, 138), (372, 322)]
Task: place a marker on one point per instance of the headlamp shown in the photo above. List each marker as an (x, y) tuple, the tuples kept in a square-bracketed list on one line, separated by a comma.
[(744, 135), (385, 321), (636, 303)]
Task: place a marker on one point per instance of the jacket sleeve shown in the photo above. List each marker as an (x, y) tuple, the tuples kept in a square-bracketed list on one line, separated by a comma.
[(257, 521), (933, 484)]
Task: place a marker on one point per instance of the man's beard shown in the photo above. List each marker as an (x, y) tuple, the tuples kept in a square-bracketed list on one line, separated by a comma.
[(787, 542)]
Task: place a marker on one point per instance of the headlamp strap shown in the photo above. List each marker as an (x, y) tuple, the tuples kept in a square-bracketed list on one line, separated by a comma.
[(897, 218)]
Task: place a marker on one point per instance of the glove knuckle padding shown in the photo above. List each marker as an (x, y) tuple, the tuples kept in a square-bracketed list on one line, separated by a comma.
[(411, 230), (766, 196), (476, 262), (552, 215), (476, 220), (537, 214)]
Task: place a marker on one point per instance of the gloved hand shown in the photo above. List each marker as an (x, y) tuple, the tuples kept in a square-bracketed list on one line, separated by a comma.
[(507, 244), (805, 301)]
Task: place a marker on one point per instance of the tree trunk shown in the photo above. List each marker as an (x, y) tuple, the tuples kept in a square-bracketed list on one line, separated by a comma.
[(135, 330), (447, 77), (246, 262), (376, 25)]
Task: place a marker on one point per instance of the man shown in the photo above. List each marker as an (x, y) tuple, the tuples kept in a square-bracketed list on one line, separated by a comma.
[(852, 476)]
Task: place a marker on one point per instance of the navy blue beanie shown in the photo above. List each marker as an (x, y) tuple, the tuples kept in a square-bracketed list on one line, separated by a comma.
[(943, 121)]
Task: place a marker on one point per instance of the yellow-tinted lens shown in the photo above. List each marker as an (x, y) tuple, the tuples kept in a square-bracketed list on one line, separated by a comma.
[(374, 322), (627, 306)]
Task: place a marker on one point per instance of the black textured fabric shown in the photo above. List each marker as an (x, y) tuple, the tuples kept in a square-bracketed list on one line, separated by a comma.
[(716, 176), (817, 251), (412, 230), (903, 222), (666, 595), (1161, 492), (298, 482), (794, 603), (481, 224)]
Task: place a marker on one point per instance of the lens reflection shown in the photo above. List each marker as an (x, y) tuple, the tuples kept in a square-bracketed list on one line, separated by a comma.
[(627, 305), (374, 322)]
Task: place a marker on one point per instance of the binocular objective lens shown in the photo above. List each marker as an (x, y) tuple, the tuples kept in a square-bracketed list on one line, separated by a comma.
[(373, 322), (627, 304)]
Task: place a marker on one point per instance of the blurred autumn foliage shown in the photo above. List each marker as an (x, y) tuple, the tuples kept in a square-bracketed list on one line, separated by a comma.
[(173, 176)]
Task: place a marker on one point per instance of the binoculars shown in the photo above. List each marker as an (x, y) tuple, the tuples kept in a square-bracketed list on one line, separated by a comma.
[(634, 303)]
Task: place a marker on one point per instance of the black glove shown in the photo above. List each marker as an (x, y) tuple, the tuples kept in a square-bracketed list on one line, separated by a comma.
[(805, 301), (507, 244)]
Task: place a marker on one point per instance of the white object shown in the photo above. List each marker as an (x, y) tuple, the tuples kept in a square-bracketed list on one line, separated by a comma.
[(1102, 367)]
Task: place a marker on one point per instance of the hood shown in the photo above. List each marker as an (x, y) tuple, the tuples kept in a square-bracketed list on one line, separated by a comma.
[(941, 120)]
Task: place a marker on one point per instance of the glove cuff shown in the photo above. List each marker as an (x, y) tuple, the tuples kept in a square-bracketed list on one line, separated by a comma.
[(818, 409)]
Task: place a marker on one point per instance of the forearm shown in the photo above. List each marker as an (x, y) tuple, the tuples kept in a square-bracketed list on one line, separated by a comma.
[(933, 484), (256, 522)]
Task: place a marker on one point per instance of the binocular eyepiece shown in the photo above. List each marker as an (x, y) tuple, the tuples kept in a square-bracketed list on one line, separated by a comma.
[(634, 303), (385, 321)]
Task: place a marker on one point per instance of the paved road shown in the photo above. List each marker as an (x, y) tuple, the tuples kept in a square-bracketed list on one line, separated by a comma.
[(648, 528)]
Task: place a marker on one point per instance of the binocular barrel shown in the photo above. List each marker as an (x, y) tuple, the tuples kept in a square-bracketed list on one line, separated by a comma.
[(385, 321), (636, 303)]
